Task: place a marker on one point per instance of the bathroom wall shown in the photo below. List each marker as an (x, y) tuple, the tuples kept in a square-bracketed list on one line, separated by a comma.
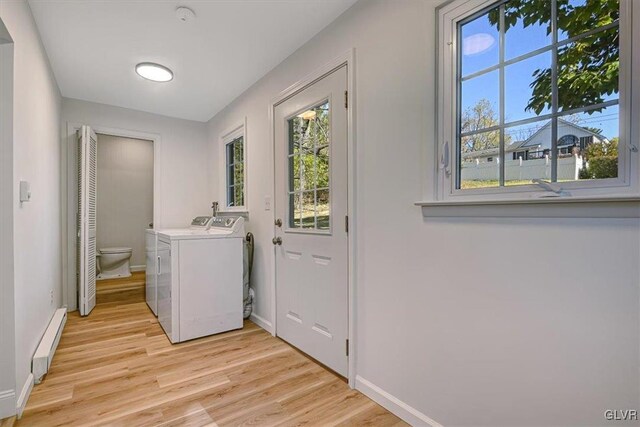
[(125, 194)]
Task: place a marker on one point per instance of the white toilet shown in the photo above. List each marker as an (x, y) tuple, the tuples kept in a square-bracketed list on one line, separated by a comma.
[(113, 263)]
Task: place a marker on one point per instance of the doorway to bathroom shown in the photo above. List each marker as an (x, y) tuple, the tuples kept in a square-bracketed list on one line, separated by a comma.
[(124, 208), (111, 195)]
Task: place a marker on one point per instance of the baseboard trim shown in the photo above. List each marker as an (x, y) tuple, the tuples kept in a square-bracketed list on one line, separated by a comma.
[(138, 267), (262, 322), (393, 404), (7, 403), (24, 395)]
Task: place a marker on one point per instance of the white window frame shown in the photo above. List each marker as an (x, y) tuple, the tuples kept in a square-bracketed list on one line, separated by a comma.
[(448, 17), (227, 137)]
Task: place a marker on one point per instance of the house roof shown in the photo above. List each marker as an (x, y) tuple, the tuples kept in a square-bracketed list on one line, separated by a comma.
[(527, 142), (564, 122)]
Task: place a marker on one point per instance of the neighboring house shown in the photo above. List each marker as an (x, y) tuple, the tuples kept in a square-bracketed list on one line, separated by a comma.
[(572, 139)]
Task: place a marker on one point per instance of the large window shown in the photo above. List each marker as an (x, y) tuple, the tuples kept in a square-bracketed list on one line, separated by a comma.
[(533, 90), (235, 179)]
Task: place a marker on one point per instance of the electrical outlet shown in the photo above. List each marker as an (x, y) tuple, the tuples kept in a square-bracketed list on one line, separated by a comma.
[(51, 296)]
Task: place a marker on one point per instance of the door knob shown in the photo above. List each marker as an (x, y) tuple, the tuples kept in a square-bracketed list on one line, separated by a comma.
[(278, 222), (276, 241)]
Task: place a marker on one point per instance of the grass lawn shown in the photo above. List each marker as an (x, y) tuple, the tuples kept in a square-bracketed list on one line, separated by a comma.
[(308, 217), (492, 183)]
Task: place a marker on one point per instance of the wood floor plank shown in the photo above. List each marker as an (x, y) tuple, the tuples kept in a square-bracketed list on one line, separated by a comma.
[(116, 367), (378, 416), (8, 422), (42, 398)]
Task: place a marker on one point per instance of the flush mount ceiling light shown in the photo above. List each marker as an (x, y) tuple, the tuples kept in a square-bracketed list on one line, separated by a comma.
[(154, 72)]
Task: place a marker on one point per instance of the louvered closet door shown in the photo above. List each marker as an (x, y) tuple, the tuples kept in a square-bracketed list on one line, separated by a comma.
[(87, 180)]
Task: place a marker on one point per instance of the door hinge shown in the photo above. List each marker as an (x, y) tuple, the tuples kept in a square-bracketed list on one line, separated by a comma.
[(346, 99), (346, 223), (347, 347)]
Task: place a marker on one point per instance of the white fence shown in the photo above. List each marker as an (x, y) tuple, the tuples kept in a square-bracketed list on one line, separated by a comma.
[(524, 170)]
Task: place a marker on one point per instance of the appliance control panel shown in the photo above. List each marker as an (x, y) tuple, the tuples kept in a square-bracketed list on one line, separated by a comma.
[(225, 222), (232, 224), (201, 221)]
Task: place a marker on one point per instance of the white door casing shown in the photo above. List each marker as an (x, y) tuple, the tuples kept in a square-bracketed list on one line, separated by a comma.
[(312, 259), (87, 180)]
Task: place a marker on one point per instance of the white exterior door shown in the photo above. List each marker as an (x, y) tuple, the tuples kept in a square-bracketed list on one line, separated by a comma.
[(87, 180), (311, 207)]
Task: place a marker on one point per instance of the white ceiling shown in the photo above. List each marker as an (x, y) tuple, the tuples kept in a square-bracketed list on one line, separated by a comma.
[(94, 45)]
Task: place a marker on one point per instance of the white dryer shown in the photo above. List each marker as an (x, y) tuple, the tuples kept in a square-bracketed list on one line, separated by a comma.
[(153, 265), (151, 247), (199, 281)]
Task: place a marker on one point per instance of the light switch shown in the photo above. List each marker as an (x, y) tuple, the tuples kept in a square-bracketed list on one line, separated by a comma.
[(267, 203), (25, 191)]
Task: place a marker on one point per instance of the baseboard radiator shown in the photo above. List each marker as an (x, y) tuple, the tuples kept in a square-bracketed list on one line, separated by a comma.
[(47, 347)]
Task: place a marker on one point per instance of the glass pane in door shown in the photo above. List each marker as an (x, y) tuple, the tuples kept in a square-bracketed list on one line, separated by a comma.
[(308, 170)]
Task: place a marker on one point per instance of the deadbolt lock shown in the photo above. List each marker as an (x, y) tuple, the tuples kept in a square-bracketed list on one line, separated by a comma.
[(278, 222)]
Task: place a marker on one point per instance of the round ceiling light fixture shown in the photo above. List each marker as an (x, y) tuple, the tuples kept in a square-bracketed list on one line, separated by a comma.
[(154, 72)]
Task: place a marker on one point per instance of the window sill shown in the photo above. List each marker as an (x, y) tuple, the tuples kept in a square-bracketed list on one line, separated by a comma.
[(544, 207)]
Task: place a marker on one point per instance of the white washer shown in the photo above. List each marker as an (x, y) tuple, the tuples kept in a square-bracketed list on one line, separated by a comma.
[(199, 280)]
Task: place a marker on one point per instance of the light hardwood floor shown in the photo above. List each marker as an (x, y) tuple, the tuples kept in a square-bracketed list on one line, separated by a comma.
[(121, 290), (116, 367)]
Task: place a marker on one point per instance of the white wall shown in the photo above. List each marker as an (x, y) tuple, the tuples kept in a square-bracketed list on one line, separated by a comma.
[(184, 167), (517, 332), (7, 313), (125, 194), (36, 154)]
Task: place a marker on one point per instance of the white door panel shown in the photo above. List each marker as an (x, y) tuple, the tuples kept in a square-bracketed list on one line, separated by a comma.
[(311, 201), (87, 181)]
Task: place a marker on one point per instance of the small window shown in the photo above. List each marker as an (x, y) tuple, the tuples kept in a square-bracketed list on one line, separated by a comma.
[(568, 140), (533, 90), (235, 172), (234, 179)]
